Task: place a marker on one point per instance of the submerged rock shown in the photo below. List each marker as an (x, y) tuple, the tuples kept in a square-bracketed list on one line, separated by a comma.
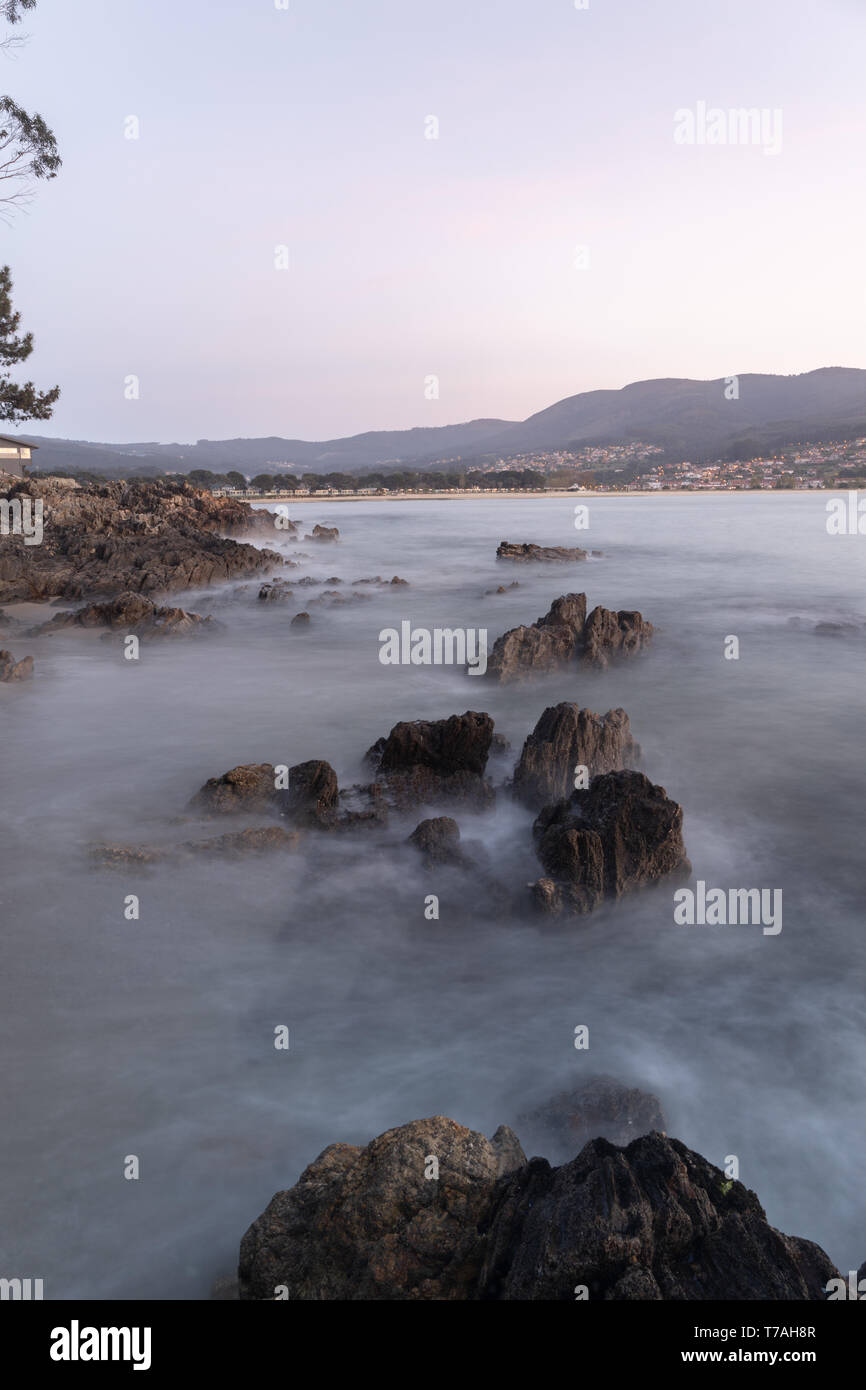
[(12, 670), (323, 533), (248, 788), (509, 550), (433, 1211), (438, 839), (238, 844), (621, 834), (599, 1108), (300, 620), (564, 738), (130, 613)]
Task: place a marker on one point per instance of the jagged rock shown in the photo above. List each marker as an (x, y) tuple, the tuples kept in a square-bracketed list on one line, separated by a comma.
[(248, 788), (599, 1108), (509, 550), (130, 613), (606, 634), (564, 634), (367, 1223), (650, 1221), (323, 533), (235, 845), (567, 736), (619, 835), (12, 670), (438, 839), (423, 761), (143, 536), (550, 642), (300, 620)]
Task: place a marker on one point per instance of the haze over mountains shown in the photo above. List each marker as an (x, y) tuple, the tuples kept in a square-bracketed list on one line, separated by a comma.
[(688, 419)]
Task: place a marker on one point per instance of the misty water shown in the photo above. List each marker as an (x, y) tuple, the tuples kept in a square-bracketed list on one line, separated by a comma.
[(156, 1037)]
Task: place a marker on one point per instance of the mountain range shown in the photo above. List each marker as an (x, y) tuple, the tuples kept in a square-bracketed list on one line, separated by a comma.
[(699, 420)]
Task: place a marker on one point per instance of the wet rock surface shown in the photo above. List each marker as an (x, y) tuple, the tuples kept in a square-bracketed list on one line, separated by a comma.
[(622, 833), (565, 738), (434, 1211)]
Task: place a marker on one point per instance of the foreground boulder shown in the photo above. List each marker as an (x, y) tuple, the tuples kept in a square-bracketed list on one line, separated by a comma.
[(508, 550), (565, 738), (565, 634), (621, 834), (433, 1211), (130, 613), (12, 670), (443, 760)]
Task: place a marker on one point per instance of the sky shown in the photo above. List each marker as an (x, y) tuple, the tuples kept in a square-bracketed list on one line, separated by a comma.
[(284, 250)]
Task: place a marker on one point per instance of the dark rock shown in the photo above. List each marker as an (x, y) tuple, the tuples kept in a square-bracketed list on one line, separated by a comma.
[(12, 670), (653, 1220), (276, 591), (508, 550), (564, 737), (650, 1221), (312, 795), (248, 788), (438, 840), (323, 533), (429, 761), (619, 835), (300, 620), (607, 634)]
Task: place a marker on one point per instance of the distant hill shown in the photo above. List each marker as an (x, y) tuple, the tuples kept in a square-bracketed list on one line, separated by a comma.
[(688, 419)]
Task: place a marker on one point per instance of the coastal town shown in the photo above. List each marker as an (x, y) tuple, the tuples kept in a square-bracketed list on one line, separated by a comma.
[(617, 468)]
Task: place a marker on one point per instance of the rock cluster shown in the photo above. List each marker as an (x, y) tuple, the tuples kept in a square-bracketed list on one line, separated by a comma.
[(103, 539), (130, 613), (434, 1211), (565, 634)]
